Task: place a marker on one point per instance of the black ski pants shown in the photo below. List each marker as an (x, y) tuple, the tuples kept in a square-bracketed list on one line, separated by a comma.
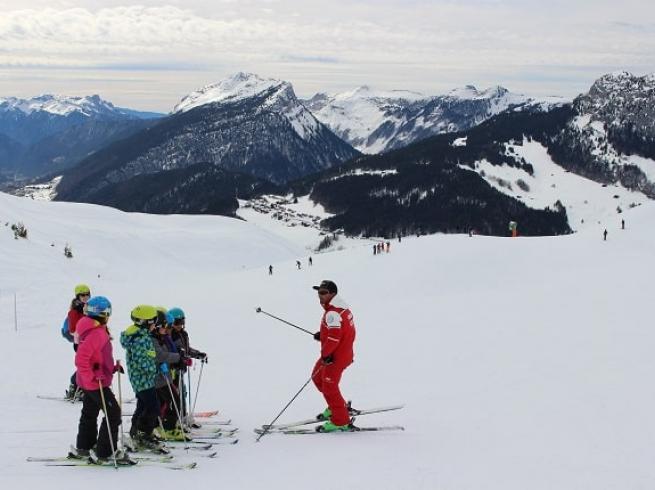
[(168, 412), (87, 433), (146, 414)]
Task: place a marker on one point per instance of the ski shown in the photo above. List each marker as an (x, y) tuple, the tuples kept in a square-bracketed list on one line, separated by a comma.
[(195, 443), (135, 457), (72, 401), (110, 464), (216, 422), (208, 414), (210, 436), (353, 412), (211, 431), (354, 429)]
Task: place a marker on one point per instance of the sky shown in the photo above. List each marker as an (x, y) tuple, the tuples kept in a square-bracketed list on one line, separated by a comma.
[(148, 55)]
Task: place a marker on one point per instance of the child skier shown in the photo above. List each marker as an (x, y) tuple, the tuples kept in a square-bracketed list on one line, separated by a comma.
[(75, 314), (95, 369), (142, 370), (168, 357), (181, 338)]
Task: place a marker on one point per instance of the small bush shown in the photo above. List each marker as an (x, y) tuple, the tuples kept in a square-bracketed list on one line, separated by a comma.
[(523, 185), (326, 242), (20, 231)]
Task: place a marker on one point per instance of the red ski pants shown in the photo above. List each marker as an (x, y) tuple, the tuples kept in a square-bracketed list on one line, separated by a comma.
[(326, 377)]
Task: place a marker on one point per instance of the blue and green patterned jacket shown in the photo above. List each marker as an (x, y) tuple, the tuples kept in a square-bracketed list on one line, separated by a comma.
[(140, 355)]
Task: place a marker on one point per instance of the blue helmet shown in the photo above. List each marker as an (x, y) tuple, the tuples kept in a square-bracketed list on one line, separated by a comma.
[(169, 318), (176, 313), (98, 306)]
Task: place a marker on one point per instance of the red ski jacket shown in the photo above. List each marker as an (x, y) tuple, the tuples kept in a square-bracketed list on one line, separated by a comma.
[(338, 332), (74, 316)]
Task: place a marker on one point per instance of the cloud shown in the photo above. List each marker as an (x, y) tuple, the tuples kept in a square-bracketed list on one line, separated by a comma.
[(413, 44)]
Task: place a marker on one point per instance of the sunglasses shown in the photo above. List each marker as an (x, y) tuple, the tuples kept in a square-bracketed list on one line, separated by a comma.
[(84, 294), (179, 321), (323, 292)]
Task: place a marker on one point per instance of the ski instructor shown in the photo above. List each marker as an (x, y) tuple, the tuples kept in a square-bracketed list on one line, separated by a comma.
[(337, 336)]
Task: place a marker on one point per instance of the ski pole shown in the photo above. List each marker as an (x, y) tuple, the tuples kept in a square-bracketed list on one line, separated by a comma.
[(259, 310), (120, 405), (111, 441), (180, 393), (202, 367), (189, 414), (179, 419), (266, 429)]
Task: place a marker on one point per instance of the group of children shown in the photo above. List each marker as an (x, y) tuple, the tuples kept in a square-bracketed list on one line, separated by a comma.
[(158, 354)]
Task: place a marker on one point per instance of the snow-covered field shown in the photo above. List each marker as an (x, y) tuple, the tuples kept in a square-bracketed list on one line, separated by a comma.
[(588, 203), (523, 363)]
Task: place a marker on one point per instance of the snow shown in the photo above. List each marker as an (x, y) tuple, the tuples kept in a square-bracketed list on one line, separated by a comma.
[(646, 165), (60, 105), (242, 86), (596, 135), (41, 192), (361, 111), (355, 115), (365, 171), (298, 221), (459, 141), (234, 88), (587, 202), (521, 362)]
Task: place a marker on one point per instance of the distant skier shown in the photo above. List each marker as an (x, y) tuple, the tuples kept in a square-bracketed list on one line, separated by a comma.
[(75, 314), (95, 370), (298, 264), (388, 247), (623, 224), (337, 336), (375, 249), (310, 261), (605, 235), (270, 270)]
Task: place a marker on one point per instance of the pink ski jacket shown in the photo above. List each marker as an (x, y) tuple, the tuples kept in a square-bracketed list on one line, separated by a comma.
[(94, 358)]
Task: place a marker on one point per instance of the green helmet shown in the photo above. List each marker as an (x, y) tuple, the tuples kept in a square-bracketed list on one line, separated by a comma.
[(82, 289), (144, 315)]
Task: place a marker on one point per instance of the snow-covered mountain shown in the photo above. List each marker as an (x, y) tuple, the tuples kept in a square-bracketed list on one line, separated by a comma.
[(612, 137), (378, 121), (524, 360), (63, 105), (48, 133), (550, 170), (279, 98), (244, 124)]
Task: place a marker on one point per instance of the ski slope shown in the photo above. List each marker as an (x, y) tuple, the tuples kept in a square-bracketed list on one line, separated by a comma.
[(523, 363)]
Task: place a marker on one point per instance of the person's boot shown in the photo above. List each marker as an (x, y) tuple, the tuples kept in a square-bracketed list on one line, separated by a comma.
[(148, 441), (77, 453), (330, 427), (122, 459), (324, 415), (69, 394)]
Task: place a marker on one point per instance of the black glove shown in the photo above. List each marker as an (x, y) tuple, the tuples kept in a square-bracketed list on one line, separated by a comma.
[(77, 305), (203, 356), (317, 336), (328, 359)]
